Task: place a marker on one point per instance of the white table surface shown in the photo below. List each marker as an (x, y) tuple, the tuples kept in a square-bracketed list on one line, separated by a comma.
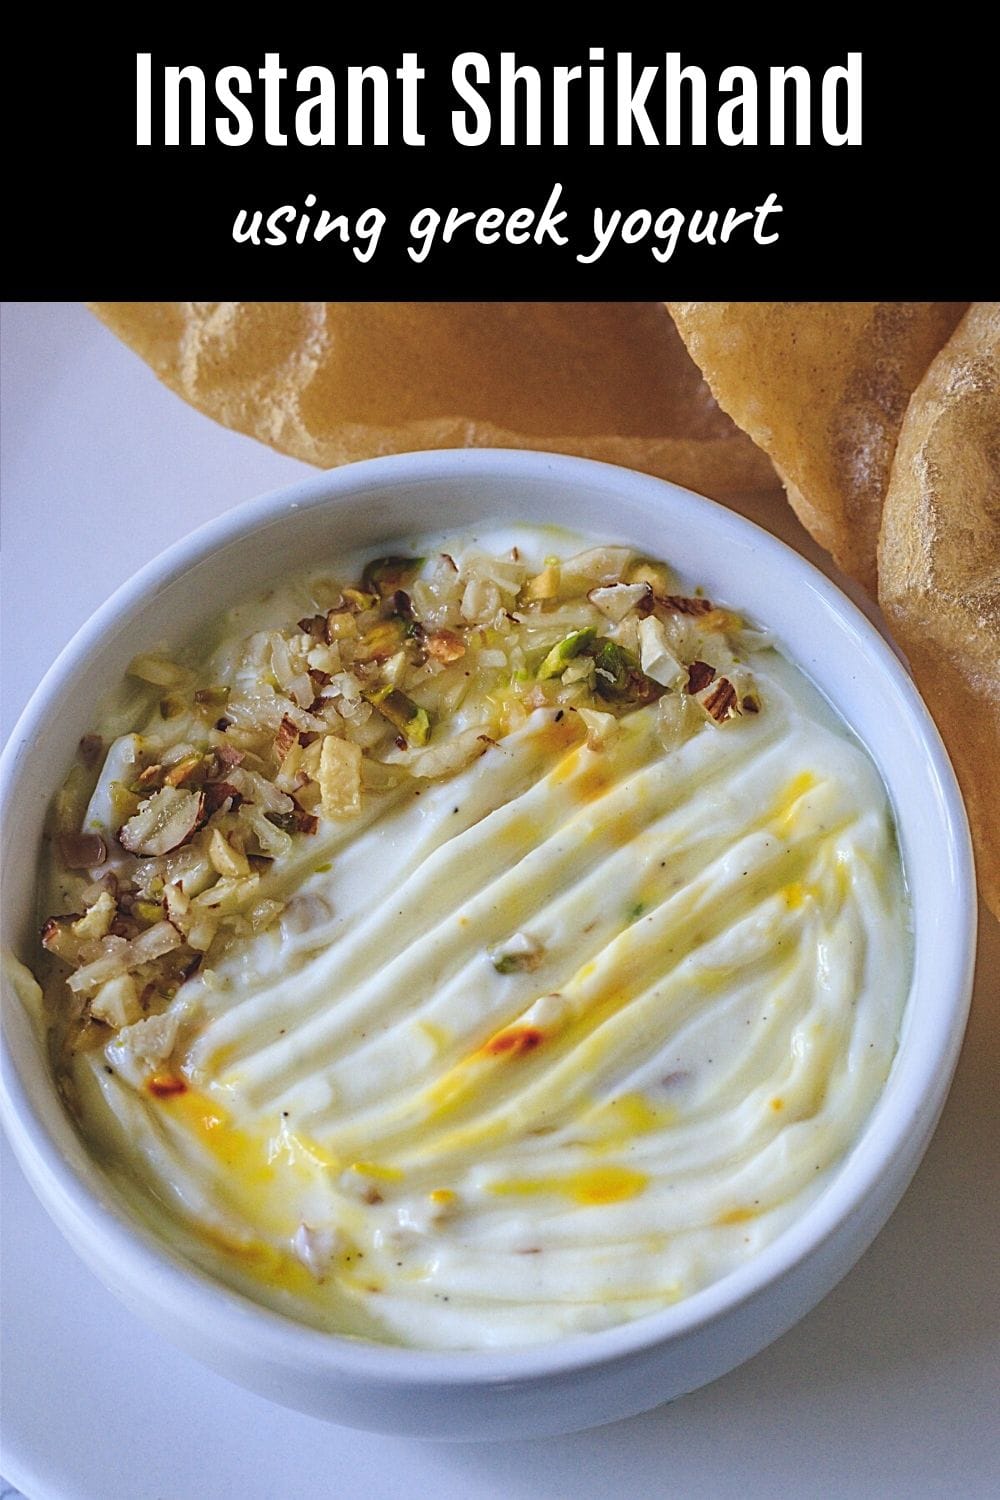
[(889, 1388)]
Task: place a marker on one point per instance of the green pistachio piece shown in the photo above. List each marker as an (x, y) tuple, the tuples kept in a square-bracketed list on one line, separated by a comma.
[(562, 654), (403, 713), (620, 677), (384, 575)]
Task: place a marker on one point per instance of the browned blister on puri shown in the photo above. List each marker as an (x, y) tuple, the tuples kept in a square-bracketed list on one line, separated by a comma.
[(939, 564)]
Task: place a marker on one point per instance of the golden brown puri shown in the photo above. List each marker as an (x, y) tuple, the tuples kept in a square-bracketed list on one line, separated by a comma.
[(939, 564), (329, 382), (822, 387)]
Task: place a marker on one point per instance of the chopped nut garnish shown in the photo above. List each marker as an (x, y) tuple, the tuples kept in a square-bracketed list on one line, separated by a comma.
[(83, 851), (185, 770), (91, 747), (341, 624), (164, 822), (96, 921), (337, 707), (225, 858), (700, 674), (719, 701), (545, 585), (444, 646), (683, 605), (340, 777), (520, 954), (117, 1002), (286, 737)]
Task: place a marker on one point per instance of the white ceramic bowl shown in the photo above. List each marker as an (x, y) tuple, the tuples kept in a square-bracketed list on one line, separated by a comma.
[(588, 1379)]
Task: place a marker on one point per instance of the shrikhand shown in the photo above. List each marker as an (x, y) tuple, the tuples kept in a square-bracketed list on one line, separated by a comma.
[(474, 945)]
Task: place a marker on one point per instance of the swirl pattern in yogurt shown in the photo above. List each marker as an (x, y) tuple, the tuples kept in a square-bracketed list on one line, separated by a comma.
[(535, 1044)]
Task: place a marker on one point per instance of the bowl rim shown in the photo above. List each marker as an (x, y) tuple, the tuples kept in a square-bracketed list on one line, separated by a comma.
[(75, 1190)]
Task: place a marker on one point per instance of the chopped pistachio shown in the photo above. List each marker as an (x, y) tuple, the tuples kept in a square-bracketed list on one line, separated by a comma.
[(384, 575), (382, 641), (564, 651), (340, 625), (217, 696), (148, 912), (405, 715), (357, 600), (521, 954), (184, 770), (619, 675)]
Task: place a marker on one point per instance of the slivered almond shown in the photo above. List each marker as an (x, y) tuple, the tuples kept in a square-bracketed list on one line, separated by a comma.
[(227, 860), (164, 822)]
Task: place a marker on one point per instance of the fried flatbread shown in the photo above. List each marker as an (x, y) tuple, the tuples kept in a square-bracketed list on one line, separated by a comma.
[(329, 382), (939, 564), (822, 387)]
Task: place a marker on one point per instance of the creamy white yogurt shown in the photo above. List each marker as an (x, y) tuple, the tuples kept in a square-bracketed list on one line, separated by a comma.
[(383, 1134)]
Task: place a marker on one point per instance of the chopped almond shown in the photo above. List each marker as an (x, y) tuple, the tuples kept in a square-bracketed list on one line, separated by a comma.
[(58, 938), (286, 737), (97, 920), (700, 674), (681, 605), (228, 861), (719, 701), (618, 599), (178, 902), (164, 822), (117, 1002)]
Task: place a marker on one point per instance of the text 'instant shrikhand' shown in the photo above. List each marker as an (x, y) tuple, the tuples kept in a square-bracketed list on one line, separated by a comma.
[(470, 946)]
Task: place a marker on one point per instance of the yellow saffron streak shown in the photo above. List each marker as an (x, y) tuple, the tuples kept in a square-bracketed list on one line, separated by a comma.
[(736, 1216), (783, 812), (377, 1170), (599, 1185)]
